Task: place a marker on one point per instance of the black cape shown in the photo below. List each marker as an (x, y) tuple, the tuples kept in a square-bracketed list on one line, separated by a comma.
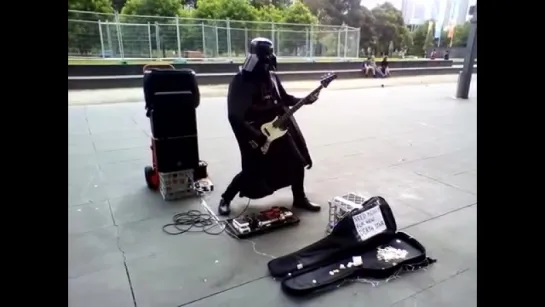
[(263, 174)]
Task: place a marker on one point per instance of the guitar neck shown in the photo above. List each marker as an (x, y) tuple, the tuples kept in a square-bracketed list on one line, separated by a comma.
[(284, 118)]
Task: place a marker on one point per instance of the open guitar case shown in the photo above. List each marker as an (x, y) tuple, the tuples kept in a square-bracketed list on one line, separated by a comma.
[(317, 267)]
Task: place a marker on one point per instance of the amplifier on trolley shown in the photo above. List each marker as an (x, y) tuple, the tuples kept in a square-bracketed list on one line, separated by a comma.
[(171, 99), (171, 120), (176, 154)]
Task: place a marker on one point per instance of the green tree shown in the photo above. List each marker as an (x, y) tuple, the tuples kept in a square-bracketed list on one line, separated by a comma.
[(349, 12), (444, 41), (407, 39), (293, 38), (461, 34), (240, 15), (225, 9), (368, 33), (98, 6), (270, 13), (83, 29), (191, 31), (430, 31), (299, 13), (164, 8), (419, 41), (422, 39), (190, 3), (335, 12), (275, 3), (379, 28), (357, 16), (281, 3), (118, 4), (161, 32), (389, 27)]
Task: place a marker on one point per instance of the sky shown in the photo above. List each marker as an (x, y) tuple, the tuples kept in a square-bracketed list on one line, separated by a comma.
[(372, 3), (397, 3)]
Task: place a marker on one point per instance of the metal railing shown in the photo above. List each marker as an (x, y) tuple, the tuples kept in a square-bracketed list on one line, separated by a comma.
[(96, 35)]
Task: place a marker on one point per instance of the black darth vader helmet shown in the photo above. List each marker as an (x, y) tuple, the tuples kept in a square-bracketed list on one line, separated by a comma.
[(260, 57)]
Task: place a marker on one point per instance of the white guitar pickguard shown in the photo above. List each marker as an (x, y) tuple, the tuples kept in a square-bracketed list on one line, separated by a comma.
[(271, 132)]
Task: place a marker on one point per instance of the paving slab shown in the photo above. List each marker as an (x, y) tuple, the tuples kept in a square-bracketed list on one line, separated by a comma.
[(414, 145), (93, 251), (101, 288), (429, 287), (102, 96)]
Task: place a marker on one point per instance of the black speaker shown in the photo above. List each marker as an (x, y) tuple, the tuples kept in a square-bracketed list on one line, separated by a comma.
[(176, 154), (172, 120), (171, 98)]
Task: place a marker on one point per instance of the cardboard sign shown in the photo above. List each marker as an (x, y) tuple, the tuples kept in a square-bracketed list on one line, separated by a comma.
[(369, 223)]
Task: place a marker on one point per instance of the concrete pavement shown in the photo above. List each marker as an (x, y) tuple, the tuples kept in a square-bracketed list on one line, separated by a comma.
[(413, 145), (86, 97)]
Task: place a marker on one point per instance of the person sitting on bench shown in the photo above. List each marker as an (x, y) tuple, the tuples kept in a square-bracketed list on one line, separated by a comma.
[(383, 71), (369, 67), (433, 54)]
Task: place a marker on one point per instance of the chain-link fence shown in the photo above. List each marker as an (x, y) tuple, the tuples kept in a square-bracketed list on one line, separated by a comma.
[(97, 35)]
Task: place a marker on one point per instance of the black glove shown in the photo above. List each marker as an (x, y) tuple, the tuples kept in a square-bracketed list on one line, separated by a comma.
[(312, 98)]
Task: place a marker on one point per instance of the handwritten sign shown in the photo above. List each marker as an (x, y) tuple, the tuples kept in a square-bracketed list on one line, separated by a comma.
[(369, 223)]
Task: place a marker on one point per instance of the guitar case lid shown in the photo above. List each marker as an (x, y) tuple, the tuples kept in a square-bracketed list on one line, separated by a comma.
[(367, 235), (351, 232)]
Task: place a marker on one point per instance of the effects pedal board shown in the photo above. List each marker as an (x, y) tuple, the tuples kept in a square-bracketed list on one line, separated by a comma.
[(259, 223)]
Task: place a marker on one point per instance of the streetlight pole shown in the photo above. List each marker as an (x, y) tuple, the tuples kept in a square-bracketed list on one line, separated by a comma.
[(464, 79)]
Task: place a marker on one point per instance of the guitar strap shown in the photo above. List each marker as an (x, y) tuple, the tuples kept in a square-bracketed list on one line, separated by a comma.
[(275, 85)]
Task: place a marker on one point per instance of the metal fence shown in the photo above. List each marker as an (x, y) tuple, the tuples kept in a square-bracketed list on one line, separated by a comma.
[(96, 35)]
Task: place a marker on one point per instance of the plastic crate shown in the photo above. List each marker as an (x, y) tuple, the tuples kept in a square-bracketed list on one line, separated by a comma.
[(168, 196), (340, 206), (176, 185)]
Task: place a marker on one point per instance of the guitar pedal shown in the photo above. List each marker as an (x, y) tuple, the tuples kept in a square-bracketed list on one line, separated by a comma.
[(264, 221)]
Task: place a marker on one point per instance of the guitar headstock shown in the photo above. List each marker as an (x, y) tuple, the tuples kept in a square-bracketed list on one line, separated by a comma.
[(328, 78)]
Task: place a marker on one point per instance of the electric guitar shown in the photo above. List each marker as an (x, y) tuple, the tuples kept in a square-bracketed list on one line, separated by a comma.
[(277, 128)]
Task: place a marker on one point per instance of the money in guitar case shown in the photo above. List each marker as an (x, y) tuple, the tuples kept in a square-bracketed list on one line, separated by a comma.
[(262, 222)]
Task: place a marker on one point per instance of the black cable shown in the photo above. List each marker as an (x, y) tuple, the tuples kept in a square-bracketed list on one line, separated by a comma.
[(198, 221), (192, 221)]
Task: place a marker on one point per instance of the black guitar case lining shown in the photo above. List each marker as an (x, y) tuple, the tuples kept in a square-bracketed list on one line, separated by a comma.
[(341, 240), (317, 260)]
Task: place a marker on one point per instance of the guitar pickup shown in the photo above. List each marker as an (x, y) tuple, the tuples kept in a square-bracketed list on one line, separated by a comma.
[(266, 132)]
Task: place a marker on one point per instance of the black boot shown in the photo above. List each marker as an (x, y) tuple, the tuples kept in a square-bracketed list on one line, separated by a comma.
[(302, 202), (223, 208)]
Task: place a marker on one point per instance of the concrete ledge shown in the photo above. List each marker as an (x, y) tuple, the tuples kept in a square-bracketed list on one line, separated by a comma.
[(200, 68), (131, 81)]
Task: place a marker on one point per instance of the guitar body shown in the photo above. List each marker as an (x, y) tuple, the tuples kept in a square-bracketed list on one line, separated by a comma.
[(272, 133)]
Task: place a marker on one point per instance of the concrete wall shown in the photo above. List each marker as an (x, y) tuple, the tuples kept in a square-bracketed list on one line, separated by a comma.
[(455, 53), (105, 82), (207, 68)]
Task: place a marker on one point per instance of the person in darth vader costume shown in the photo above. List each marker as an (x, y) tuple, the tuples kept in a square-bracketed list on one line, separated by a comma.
[(255, 97)]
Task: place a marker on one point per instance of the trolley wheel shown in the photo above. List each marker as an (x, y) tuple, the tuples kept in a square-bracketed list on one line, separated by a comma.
[(152, 179)]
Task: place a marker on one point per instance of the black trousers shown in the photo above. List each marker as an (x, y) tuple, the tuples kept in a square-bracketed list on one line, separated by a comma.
[(297, 187)]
